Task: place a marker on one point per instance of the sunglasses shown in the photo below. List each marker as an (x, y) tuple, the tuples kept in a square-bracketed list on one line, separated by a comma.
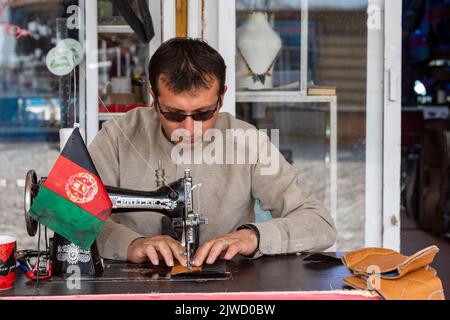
[(180, 117)]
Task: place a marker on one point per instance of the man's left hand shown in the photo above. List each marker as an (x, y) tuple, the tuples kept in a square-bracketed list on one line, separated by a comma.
[(242, 242)]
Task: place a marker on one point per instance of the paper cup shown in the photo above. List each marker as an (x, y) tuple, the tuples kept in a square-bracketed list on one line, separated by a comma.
[(8, 257)]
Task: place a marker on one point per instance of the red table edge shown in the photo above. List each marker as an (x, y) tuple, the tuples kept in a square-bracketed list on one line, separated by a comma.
[(301, 295)]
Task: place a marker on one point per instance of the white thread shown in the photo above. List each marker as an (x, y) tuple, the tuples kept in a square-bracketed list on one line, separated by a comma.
[(126, 137), (74, 95)]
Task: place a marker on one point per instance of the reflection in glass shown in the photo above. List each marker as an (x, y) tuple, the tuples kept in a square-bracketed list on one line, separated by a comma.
[(336, 61), (34, 103), (268, 46)]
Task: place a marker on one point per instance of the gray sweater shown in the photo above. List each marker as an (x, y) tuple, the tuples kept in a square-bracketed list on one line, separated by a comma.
[(226, 196)]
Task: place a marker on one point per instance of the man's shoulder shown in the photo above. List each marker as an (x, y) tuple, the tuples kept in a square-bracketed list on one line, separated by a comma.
[(228, 121)]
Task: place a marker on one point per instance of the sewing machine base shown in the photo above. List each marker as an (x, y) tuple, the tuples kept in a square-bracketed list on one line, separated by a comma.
[(117, 271)]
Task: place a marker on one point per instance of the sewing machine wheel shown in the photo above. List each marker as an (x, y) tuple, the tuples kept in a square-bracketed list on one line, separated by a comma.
[(30, 192)]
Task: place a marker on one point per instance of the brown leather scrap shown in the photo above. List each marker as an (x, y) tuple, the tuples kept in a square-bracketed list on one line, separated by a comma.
[(389, 263), (394, 276), (178, 269), (422, 284)]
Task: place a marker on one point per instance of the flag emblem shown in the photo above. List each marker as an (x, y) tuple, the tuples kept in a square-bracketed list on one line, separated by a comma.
[(81, 187)]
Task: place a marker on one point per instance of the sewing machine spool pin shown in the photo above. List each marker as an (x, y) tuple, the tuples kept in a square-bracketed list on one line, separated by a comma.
[(160, 175)]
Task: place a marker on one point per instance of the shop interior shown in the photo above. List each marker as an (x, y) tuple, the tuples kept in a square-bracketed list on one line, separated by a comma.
[(425, 200)]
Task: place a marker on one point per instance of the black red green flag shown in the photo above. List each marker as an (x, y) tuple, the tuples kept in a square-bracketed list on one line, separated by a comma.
[(73, 201)]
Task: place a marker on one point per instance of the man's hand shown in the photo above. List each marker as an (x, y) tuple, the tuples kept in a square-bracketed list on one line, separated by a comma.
[(142, 249), (242, 242)]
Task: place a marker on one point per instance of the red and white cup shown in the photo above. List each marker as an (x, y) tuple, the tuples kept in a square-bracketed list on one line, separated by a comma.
[(8, 258)]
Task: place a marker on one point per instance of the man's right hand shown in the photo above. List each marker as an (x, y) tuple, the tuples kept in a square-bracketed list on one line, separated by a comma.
[(152, 248)]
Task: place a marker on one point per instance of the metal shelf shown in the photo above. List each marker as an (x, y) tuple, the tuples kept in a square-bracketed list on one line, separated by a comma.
[(114, 29), (26, 95), (105, 116), (28, 130), (279, 96)]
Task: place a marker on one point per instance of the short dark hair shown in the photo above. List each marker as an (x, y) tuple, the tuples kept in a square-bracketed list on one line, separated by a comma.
[(187, 64)]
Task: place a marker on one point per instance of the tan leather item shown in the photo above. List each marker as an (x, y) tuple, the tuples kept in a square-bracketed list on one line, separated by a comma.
[(356, 282), (389, 264), (421, 284), (178, 268)]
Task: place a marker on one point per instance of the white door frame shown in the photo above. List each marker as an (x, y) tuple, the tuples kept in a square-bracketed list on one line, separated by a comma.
[(392, 124), (383, 124), (90, 13)]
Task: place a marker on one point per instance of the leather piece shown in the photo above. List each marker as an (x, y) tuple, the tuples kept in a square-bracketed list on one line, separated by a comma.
[(421, 284), (356, 282), (143, 28), (178, 269), (216, 271), (146, 20), (389, 263)]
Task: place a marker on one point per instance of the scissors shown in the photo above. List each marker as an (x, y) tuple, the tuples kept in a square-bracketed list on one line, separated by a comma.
[(42, 268)]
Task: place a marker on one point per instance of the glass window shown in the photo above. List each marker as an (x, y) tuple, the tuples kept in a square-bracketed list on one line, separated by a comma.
[(34, 102), (123, 60), (274, 32), (301, 68)]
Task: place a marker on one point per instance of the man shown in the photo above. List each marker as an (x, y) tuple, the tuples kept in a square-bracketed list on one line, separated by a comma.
[(187, 79)]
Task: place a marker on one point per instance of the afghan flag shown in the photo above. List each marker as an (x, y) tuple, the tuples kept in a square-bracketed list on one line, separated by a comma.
[(73, 201)]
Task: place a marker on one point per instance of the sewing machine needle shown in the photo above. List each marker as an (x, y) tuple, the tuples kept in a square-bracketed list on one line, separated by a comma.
[(183, 239)]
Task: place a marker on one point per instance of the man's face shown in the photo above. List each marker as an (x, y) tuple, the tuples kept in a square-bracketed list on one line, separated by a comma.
[(187, 103)]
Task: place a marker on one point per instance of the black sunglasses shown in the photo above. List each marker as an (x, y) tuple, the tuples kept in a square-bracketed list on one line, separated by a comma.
[(180, 117)]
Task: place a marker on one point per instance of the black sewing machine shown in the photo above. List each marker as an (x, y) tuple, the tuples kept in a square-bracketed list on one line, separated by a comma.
[(174, 200)]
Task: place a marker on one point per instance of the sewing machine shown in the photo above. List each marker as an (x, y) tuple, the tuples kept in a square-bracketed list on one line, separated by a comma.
[(173, 200)]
